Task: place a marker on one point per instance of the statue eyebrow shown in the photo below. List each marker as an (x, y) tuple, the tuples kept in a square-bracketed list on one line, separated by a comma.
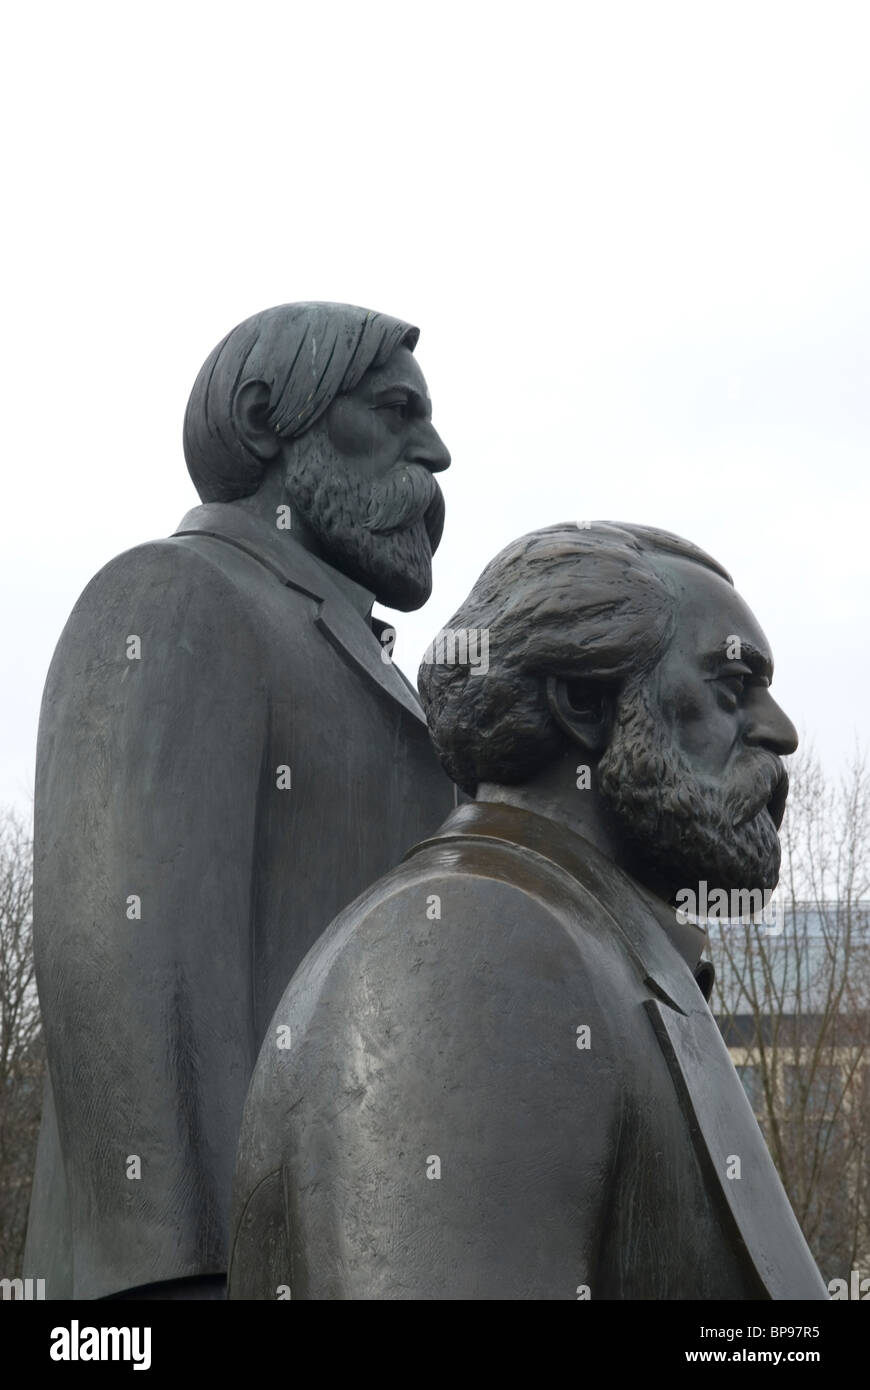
[(759, 663), (411, 391)]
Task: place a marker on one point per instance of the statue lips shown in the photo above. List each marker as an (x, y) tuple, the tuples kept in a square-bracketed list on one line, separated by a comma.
[(433, 518), (776, 804)]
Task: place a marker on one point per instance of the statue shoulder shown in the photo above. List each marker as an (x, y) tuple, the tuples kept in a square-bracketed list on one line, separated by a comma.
[(146, 568), (153, 620), (470, 942), (480, 892)]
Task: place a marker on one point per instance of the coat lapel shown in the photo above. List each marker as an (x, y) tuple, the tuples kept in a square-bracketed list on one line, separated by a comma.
[(733, 1154), (354, 640), (728, 1142), (340, 622)]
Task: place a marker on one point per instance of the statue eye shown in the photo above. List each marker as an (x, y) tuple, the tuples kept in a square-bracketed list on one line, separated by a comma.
[(397, 408), (732, 687)]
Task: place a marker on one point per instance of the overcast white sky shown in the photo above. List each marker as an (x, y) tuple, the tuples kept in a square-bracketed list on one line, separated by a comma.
[(635, 238)]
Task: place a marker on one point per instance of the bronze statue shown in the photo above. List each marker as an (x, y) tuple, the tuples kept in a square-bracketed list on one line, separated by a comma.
[(496, 1075), (226, 758)]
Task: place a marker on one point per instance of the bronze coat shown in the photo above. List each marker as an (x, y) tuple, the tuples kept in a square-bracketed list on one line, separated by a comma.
[(157, 778), (437, 1020)]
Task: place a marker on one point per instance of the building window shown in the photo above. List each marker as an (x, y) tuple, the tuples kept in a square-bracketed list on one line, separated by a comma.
[(819, 1094), (750, 1079)]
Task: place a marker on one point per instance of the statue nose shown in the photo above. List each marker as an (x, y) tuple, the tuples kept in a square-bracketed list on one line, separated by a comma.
[(428, 449), (772, 728)]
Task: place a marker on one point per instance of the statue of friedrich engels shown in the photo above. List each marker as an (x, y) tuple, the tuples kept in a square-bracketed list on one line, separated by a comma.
[(225, 760)]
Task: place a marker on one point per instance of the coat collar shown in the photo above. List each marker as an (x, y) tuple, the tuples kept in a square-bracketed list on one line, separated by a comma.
[(344, 611), (660, 946)]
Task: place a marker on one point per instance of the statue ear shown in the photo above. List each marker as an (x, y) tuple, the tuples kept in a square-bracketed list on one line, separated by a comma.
[(250, 410), (583, 710)]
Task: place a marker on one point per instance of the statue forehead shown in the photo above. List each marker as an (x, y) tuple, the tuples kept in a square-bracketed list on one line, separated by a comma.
[(400, 370), (709, 610)]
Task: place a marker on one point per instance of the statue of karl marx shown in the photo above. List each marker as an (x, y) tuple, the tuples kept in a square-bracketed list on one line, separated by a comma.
[(504, 1080)]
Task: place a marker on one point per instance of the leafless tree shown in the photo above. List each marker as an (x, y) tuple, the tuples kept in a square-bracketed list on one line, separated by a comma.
[(21, 1051), (793, 1001)]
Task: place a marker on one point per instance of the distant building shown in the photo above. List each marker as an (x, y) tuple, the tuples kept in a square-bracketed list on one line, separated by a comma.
[(793, 1004)]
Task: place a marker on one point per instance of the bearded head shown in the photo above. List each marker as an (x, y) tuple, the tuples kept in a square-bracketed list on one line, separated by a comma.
[(626, 649), (680, 825), (328, 400)]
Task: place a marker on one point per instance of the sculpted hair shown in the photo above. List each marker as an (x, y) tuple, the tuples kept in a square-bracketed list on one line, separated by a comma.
[(307, 354), (587, 605)]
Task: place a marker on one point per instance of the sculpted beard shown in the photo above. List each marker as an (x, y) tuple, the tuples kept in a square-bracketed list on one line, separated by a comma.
[(684, 828), (381, 532)]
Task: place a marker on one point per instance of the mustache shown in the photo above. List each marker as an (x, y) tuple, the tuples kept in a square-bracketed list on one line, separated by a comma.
[(764, 788), (406, 496)]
